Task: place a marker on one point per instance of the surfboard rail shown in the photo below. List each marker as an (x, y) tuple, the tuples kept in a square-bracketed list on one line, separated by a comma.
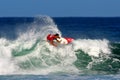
[(69, 40)]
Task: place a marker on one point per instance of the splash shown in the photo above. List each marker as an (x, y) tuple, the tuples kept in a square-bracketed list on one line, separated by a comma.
[(30, 53), (93, 47), (7, 65)]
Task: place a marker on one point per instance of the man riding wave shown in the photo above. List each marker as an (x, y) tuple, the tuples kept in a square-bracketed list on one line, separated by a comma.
[(53, 38)]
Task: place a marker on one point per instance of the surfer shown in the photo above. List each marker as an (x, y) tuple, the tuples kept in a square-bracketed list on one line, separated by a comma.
[(53, 38)]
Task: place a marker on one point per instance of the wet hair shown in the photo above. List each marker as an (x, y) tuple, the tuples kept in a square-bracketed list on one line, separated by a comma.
[(56, 35)]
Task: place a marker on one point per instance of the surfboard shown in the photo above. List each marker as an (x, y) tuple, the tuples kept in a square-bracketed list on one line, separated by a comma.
[(66, 40), (63, 41), (69, 40)]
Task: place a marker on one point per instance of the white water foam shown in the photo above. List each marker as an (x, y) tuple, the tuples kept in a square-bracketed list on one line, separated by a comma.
[(92, 47), (7, 65)]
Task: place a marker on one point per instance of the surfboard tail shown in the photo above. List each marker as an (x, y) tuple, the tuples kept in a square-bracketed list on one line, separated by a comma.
[(69, 40)]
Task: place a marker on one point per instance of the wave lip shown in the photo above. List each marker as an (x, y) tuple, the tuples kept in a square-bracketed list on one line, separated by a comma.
[(93, 47)]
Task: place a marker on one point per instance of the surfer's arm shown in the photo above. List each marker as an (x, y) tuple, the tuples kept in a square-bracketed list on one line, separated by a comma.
[(58, 40), (52, 43)]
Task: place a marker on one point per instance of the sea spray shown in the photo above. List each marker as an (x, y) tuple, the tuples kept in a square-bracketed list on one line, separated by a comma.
[(92, 47), (7, 65), (30, 53)]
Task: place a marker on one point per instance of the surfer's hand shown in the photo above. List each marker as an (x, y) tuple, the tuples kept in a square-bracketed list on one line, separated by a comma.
[(55, 45)]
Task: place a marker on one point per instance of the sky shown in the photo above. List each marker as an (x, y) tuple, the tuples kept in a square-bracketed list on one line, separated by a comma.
[(60, 8)]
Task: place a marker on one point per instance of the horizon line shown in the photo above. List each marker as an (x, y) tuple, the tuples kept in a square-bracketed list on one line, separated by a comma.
[(60, 16)]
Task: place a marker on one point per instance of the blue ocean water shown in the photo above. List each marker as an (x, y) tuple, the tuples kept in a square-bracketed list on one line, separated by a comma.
[(93, 55)]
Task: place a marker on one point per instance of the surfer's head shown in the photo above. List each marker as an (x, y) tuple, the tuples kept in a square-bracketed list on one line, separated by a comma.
[(56, 34)]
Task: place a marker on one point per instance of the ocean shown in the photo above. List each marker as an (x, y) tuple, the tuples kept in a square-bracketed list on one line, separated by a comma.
[(93, 55)]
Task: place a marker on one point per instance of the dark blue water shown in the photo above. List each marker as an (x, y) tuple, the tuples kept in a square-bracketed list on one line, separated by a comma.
[(90, 27), (77, 27), (94, 54)]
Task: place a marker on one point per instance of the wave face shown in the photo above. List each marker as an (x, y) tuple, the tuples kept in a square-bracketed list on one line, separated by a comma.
[(24, 50)]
